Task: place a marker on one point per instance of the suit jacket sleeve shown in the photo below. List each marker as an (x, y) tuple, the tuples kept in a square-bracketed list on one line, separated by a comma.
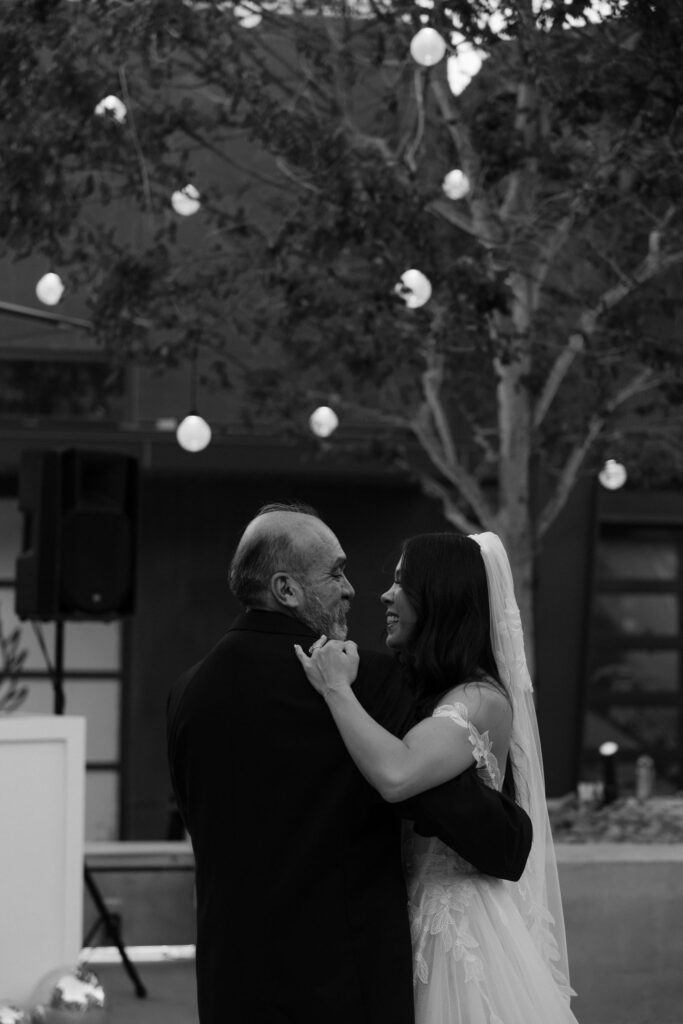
[(485, 827)]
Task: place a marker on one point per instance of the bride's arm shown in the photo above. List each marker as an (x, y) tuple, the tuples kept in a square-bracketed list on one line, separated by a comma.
[(431, 753)]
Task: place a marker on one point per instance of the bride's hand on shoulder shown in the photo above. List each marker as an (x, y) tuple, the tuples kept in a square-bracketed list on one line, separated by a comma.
[(331, 665)]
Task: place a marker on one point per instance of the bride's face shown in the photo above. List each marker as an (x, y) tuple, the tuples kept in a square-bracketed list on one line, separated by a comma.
[(401, 616)]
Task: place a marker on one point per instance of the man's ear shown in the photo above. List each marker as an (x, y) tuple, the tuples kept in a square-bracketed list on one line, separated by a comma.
[(286, 590)]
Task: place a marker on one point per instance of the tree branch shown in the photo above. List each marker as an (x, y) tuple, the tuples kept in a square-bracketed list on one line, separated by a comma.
[(409, 156), (651, 265), (454, 471), (142, 163), (557, 373), (454, 215), (433, 489), (486, 226), (525, 104), (643, 381)]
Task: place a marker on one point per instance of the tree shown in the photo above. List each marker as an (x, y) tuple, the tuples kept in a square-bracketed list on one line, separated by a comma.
[(549, 338)]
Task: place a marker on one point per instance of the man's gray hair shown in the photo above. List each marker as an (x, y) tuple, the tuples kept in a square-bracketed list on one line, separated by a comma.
[(268, 552)]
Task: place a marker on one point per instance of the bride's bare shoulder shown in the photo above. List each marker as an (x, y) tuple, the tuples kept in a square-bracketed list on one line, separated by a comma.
[(487, 704)]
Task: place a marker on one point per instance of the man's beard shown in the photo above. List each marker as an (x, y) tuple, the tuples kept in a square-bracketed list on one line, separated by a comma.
[(320, 620)]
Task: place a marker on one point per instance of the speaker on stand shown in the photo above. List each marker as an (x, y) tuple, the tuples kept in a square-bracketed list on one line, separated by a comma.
[(78, 562)]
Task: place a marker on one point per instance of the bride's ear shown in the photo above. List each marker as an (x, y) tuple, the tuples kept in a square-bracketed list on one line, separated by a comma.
[(287, 591)]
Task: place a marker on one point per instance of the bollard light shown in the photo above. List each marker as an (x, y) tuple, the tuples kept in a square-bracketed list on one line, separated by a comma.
[(608, 757)]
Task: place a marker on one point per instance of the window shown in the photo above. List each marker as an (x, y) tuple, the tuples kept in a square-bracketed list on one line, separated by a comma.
[(60, 389), (92, 682), (634, 693)]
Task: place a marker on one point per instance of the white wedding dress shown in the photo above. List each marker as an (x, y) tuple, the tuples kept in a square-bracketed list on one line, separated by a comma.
[(483, 949)]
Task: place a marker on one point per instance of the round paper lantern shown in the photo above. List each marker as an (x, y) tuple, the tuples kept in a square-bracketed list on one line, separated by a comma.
[(414, 288), (193, 433), (469, 61), (50, 289), (246, 17), (456, 184), (114, 106), (186, 201), (324, 421), (612, 475), (457, 80), (427, 47)]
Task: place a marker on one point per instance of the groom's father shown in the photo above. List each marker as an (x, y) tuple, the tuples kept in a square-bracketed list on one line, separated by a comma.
[(301, 906)]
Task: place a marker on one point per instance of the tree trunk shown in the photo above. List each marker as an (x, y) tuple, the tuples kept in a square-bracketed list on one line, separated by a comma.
[(515, 425)]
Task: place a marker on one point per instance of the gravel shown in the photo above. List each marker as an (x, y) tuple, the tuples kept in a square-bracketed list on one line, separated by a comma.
[(628, 820)]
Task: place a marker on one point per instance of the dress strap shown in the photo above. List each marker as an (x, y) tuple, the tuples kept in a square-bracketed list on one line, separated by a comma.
[(482, 752)]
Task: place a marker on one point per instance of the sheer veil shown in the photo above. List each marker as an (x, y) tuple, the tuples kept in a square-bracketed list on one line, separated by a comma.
[(538, 891)]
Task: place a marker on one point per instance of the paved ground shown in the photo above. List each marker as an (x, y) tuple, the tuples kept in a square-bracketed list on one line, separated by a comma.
[(170, 993), (171, 998)]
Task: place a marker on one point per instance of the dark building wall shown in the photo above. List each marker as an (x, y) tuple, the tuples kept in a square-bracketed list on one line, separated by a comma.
[(562, 605), (188, 529)]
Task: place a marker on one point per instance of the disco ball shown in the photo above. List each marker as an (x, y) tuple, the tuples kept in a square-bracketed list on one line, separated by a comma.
[(68, 995), (12, 1014)]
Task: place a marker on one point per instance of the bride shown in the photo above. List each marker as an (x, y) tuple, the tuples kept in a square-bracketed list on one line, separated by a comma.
[(485, 951)]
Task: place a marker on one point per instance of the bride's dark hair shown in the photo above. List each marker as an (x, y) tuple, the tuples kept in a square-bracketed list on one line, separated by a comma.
[(443, 576)]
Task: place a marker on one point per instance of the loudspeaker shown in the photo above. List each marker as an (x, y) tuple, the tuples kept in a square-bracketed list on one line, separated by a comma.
[(80, 535)]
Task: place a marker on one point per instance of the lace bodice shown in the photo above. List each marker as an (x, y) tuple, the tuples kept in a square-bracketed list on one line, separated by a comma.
[(444, 889), (429, 856)]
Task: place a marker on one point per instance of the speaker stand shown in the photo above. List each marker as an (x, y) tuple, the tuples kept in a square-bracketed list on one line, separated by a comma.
[(112, 929), (58, 670)]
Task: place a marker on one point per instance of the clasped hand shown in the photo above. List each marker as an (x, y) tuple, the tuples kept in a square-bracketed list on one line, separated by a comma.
[(331, 665)]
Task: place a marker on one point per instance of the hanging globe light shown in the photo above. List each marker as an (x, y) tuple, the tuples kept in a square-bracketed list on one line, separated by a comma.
[(193, 433), (50, 289), (246, 17), (497, 24), (469, 61), (457, 80), (613, 475), (186, 201), (427, 47), (323, 421), (456, 184), (114, 106), (414, 288)]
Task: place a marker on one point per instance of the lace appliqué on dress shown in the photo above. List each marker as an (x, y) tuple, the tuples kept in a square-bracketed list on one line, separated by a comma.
[(442, 912), (487, 762), (442, 892)]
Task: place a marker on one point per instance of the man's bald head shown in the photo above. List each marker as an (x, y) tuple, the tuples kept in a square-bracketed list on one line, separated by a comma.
[(278, 539), (289, 561)]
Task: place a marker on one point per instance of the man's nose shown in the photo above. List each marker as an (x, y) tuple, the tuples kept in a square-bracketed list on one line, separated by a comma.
[(348, 589)]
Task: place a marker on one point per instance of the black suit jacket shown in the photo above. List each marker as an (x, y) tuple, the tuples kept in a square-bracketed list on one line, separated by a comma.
[(301, 906)]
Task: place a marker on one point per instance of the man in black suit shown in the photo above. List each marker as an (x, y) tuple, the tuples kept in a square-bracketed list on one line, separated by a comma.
[(301, 905)]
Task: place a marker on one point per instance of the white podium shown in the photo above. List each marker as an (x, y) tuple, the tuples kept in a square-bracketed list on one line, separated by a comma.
[(42, 785)]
